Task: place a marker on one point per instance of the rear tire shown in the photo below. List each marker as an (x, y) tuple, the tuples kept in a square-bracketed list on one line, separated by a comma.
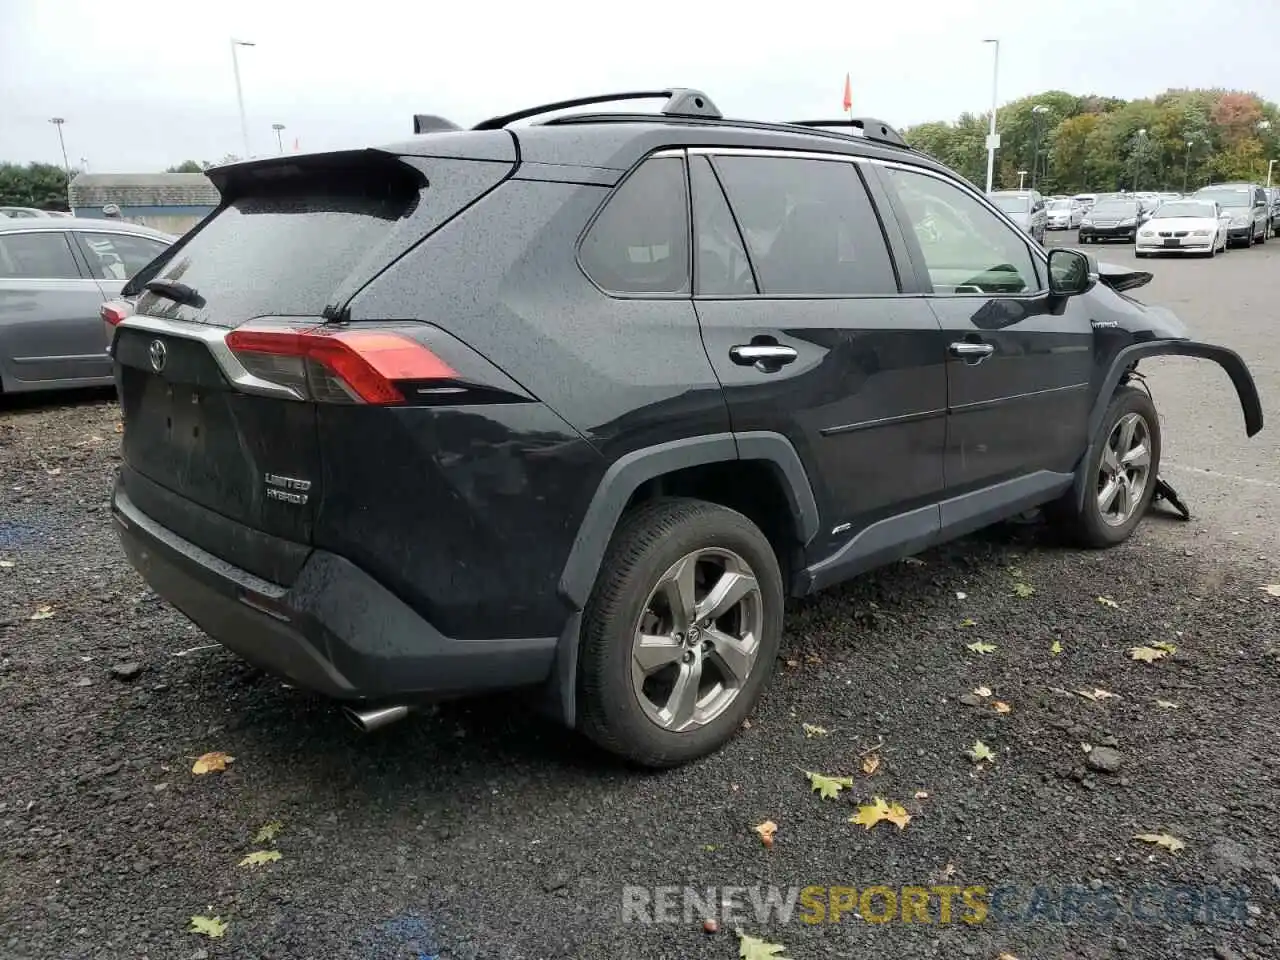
[(1113, 507), (666, 557)]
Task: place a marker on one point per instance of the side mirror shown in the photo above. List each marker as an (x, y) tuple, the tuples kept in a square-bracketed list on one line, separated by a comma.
[(1071, 272)]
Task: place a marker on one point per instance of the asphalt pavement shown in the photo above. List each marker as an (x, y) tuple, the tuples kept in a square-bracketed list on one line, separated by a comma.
[(480, 830)]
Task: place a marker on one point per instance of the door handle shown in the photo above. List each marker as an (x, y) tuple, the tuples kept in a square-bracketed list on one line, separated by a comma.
[(972, 353), (765, 357)]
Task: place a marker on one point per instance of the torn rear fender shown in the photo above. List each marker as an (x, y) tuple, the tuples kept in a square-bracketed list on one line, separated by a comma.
[(1229, 360)]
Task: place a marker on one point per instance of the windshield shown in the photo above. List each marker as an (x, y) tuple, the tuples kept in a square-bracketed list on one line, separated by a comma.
[(1011, 202), (1226, 196), (1115, 208), (1184, 208), (1060, 205)]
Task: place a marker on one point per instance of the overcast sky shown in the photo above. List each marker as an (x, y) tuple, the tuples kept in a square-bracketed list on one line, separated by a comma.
[(143, 85)]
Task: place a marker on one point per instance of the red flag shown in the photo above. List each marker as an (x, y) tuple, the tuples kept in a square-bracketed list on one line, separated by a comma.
[(295, 144), (848, 95)]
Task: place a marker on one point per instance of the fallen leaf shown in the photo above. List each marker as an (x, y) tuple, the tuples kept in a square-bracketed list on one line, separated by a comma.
[(766, 831), (917, 562), (213, 927), (43, 612), (1147, 654), (922, 794), (119, 428), (793, 663), (1108, 602), (1096, 694), (214, 762), (709, 848), (812, 730), (1166, 646), (1056, 647), (1001, 707), (1006, 956), (982, 691), (6, 564), (1271, 589), (980, 646), (870, 764), (267, 832), (1170, 843), (1023, 589), (260, 857), (54, 472), (1167, 704), (948, 871), (1015, 572), (753, 948), (960, 595), (828, 787), (1087, 747), (869, 814), (968, 622), (746, 723), (980, 753)]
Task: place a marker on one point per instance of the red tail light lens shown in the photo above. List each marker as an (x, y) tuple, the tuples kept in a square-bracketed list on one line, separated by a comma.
[(366, 364), (115, 311)]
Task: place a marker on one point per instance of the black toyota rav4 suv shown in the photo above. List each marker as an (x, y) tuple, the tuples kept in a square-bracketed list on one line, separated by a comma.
[(575, 405)]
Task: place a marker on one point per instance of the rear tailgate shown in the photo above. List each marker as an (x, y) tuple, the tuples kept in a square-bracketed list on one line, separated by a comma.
[(217, 446)]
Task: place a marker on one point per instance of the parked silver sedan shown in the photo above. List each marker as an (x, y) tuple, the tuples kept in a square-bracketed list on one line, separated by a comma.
[(55, 272)]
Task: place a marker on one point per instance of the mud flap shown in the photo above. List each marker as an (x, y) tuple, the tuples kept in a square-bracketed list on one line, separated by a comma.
[(1166, 493)]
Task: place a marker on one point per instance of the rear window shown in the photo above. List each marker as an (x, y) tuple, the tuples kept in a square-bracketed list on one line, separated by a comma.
[(278, 255)]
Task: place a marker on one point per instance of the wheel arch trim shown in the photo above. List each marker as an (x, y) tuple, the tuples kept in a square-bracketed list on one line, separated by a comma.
[(615, 490), (1229, 360)]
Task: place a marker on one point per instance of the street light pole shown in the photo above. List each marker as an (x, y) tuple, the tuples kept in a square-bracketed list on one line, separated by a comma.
[(1271, 165), (1036, 113), (1022, 178), (1137, 156), (993, 141), (235, 67), (1186, 167), (58, 122), (277, 127)]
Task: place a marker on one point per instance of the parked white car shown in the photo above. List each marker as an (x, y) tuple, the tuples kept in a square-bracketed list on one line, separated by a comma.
[(1185, 226), (1065, 214)]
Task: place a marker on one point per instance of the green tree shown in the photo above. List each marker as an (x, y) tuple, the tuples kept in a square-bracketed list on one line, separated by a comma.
[(189, 166), (42, 185)]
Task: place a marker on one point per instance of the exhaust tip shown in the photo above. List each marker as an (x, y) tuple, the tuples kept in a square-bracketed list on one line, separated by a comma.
[(368, 721)]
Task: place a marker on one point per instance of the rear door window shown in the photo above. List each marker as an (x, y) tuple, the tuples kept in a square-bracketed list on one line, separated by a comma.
[(37, 256), (720, 263), (809, 226), (117, 256), (639, 242)]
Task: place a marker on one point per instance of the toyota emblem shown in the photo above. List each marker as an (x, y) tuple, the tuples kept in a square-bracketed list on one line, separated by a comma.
[(158, 354)]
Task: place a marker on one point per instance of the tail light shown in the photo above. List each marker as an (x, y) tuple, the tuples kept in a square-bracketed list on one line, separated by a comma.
[(115, 311), (338, 366)]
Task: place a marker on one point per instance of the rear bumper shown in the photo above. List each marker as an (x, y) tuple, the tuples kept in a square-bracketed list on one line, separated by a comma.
[(1240, 234), (1108, 233), (1188, 245), (335, 630)]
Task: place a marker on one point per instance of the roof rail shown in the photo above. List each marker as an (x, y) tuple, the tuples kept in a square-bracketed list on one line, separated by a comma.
[(872, 129), (681, 102), (427, 123)]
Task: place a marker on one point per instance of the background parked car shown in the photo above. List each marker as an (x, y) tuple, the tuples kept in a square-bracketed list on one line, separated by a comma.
[(24, 213), (55, 273), (1247, 204), (1110, 219), (1184, 226), (1026, 209), (1064, 214)]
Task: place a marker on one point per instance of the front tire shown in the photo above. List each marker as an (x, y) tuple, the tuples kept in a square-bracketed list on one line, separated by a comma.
[(680, 633), (1120, 476)]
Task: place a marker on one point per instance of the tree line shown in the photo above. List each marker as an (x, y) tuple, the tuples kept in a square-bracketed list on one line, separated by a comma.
[(1178, 140), (44, 185)]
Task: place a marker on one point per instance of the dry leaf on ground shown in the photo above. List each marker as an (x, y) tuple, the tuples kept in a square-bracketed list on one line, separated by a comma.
[(753, 948), (812, 730), (869, 814), (1108, 602), (981, 646), (214, 762), (766, 831), (268, 832), (828, 787), (980, 753), (1056, 647), (1169, 842), (213, 927), (1001, 707), (1148, 654), (260, 858), (43, 612), (870, 764), (1167, 704), (982, 691)]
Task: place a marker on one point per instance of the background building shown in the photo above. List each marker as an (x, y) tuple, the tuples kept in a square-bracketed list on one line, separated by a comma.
[(172, 202)]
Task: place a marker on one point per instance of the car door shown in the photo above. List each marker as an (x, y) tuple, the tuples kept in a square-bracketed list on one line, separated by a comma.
[(50, 330), (1020, 361), (804, 320)]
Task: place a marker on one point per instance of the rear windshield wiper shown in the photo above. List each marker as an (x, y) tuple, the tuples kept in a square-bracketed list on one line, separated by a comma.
[(175, 291)]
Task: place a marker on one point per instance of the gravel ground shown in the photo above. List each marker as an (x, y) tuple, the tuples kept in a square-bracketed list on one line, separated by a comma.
[(478, 832)]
